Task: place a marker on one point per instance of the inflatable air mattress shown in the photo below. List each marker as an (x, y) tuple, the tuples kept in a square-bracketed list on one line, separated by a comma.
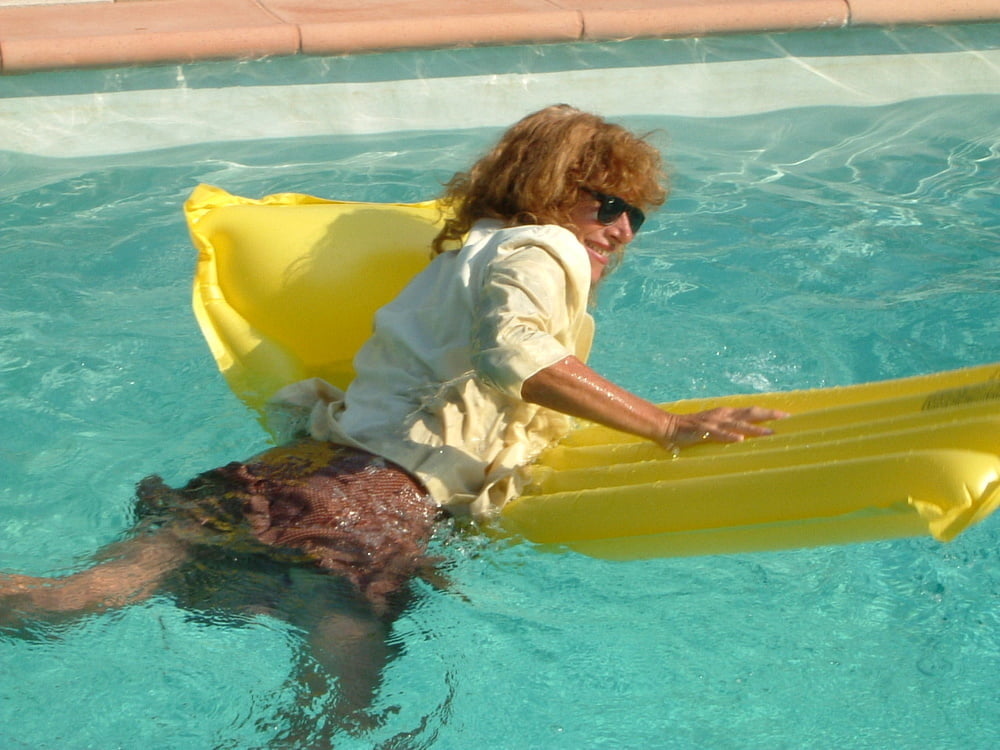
[(287, 286)]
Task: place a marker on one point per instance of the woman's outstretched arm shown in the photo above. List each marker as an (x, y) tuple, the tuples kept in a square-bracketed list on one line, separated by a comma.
[(573, 388)]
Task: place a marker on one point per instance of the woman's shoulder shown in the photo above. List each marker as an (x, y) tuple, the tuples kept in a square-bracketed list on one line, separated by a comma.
[(489, 233), (535, 246), (547, 232)]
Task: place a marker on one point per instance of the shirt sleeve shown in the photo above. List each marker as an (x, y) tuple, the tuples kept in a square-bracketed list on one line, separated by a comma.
[(522, 318)]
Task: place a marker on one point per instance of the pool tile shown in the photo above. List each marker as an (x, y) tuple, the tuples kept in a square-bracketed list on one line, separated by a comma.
[(84, 35), (607, 19), (107, 34), (360, 25), (879, 12)]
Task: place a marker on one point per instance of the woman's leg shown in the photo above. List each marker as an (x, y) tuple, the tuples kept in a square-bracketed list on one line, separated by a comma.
[(355, 649), (126, 572)]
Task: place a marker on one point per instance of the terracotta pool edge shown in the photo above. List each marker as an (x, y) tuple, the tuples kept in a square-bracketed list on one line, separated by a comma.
[(142, 32)]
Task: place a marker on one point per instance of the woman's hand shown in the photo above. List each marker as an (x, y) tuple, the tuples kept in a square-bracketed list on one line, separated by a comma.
[(721, 425)]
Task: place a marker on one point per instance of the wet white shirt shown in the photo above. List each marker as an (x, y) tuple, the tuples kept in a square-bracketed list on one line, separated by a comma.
[(438, 386)]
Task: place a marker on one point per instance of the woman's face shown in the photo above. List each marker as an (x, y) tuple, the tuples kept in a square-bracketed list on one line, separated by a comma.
[(604, 242)]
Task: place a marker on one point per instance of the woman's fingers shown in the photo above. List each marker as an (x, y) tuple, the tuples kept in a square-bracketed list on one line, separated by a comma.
[(725, 425), (757, 414)]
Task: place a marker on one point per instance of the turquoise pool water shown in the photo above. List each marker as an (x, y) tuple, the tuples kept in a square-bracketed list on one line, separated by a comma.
[(803, 246)]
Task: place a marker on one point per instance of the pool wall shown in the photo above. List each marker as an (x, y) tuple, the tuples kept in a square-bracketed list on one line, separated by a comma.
[(89, 112), (38, 35)]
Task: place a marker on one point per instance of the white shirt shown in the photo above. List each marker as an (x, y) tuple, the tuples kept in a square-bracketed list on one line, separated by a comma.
[(438, 386)]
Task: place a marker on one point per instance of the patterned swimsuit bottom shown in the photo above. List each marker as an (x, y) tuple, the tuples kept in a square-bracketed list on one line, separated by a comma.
[(349, 512)]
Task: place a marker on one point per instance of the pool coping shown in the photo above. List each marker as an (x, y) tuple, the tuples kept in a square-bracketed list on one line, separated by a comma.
[(44, 35)]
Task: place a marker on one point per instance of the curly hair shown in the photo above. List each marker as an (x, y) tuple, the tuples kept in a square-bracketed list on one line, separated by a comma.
[(536, 171)]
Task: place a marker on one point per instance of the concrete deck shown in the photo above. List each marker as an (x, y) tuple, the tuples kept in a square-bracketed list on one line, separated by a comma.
[(41, 35)]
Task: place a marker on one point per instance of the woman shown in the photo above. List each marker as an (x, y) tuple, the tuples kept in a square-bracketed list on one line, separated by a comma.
[(475, 367), (477, 364)]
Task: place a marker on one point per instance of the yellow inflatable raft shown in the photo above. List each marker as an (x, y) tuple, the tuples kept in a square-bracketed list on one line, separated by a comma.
[(287, 287)]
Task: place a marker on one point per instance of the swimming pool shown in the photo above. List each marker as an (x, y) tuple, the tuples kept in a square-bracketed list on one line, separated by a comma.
[(834, 231)]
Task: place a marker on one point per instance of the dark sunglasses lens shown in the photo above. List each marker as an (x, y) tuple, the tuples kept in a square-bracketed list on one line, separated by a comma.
[(612, 207), (635, 218)]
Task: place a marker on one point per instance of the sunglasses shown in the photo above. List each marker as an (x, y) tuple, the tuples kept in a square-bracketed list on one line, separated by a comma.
[(611, 207)]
